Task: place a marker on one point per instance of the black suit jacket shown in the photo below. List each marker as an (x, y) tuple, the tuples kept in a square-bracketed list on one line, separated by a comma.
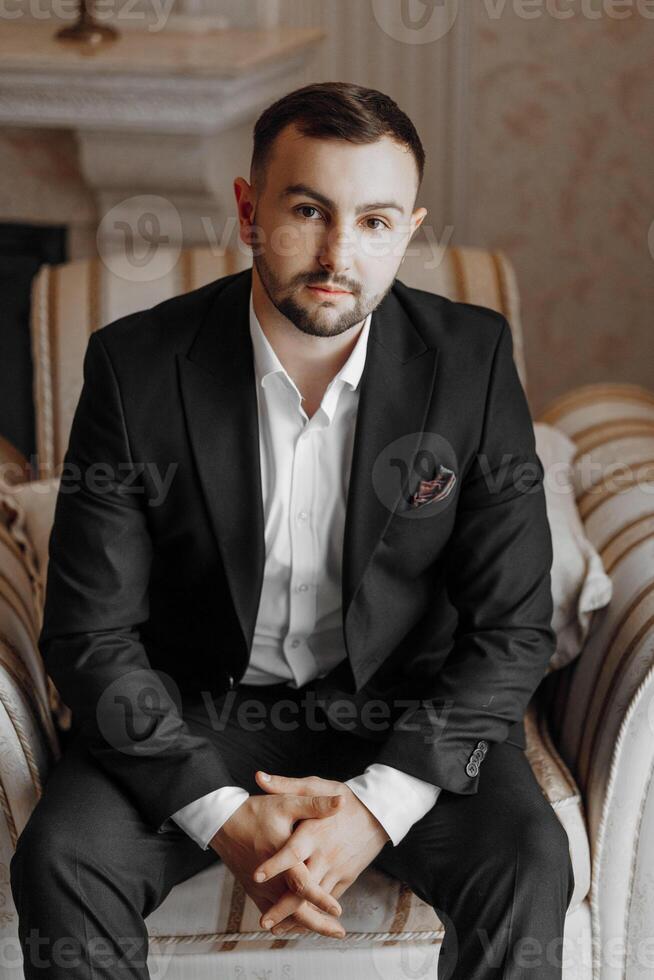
[(152, 593)]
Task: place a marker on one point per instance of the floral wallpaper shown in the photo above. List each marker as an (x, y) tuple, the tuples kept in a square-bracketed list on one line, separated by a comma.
[(562, 178)]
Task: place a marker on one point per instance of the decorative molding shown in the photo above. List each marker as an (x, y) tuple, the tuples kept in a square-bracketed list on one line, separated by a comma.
[(175, 124), (167, 82), (161, 104)]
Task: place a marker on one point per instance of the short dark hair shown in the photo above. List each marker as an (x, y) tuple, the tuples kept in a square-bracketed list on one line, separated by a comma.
[(334, 110)]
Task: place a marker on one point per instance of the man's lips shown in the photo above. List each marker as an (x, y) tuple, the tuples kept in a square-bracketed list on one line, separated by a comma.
[(330, 292)]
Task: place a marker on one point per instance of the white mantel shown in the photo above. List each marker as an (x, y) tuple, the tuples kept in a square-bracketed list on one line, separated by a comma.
[(165, 113)]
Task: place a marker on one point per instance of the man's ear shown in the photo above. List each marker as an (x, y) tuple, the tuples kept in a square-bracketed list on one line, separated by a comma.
[(417, 219)]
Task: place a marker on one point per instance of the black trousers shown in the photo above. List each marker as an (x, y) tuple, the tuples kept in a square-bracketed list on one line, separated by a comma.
[(87, 870)]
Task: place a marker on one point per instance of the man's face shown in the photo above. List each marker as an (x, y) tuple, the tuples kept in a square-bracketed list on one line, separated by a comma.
[(332, 214)]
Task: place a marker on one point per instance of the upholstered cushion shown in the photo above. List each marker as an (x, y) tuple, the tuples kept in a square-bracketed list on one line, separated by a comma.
[(211, 911), (26, 516), (368, 956), (28, 741), (580, 585), (612, 426), (19, 595), (32, 506)]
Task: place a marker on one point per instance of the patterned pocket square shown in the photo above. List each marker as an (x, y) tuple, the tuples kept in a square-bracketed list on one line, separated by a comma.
[(436, 489)]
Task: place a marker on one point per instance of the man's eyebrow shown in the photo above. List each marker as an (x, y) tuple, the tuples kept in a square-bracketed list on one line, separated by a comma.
[(328, 203)]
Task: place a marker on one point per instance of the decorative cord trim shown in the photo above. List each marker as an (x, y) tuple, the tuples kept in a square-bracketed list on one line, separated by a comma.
[(352, 937)]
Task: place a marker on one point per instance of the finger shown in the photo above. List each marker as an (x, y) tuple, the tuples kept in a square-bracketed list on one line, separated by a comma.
[(340, 887), (326, 881), (300, 807), (308, 916), (297, 848), (293, 852), (298, 785), (301, 882), (289, 924), (304, 913)]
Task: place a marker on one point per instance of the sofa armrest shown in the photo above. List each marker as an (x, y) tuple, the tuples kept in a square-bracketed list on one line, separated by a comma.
[(601, 707), (26, 515), (29, 743), (28, 750), (561, 791)]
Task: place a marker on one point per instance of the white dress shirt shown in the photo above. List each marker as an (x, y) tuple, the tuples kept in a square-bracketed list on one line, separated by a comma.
[(298, 636)]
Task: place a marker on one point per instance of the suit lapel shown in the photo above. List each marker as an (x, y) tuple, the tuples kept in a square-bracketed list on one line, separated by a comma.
[(218, 392), (219, 398), (396, 392)]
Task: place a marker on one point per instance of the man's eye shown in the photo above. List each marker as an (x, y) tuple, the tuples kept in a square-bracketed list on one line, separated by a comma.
[(382, 223), (306, 207)]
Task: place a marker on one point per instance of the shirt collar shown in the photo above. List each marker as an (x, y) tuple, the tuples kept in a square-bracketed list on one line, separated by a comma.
[(267, 363)]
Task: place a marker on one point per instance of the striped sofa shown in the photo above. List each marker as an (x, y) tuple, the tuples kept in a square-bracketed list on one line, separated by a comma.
[(589, 727)]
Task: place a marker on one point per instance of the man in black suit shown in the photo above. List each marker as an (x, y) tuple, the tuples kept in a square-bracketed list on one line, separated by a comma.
[(351, 516)]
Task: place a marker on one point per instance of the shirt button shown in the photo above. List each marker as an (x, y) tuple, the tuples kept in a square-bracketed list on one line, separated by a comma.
[(295, 643), (303, 515), (302, 588)]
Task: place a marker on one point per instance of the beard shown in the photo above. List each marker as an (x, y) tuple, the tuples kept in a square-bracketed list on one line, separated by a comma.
[(314, 321)]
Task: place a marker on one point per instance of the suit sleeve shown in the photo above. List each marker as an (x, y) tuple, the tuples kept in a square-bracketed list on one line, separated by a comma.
[(100, 549), (498, 562)]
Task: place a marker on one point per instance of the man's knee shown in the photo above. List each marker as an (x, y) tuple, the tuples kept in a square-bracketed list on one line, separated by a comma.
[(542, 841), (532, 845), (543, 851)]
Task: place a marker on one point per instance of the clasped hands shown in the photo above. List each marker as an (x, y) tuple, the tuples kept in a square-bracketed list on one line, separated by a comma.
[(311, 838)]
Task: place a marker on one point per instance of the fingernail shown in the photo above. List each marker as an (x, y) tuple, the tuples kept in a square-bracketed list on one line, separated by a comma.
[(267, 923), (264, 775), (260, 876)]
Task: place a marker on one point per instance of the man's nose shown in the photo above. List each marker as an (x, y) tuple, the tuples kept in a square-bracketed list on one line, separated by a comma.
[(336, 253)]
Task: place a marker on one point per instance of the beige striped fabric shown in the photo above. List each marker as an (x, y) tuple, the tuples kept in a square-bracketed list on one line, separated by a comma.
[(26, 516), (28, 747), (469, 275), (71, 300), (28, 740), (612, 426)]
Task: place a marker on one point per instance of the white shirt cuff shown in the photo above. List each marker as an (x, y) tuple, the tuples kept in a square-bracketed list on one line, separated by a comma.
[(204, 817), (394, 797)]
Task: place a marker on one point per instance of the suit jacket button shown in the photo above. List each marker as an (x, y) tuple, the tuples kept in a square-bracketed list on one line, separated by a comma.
[(476, 756), (482, 744), (472, 769)]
